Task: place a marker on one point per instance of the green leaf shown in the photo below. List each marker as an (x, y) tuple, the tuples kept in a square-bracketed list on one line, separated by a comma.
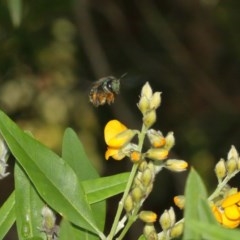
[(28, 206), (73, 153), (15, 10), (53, 178), (105, 187), (196, 206), (7, 215), (70, 231), (214, 232)]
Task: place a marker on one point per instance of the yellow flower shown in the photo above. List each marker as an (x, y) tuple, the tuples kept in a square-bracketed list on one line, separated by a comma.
[(117, 136), (228, 213)]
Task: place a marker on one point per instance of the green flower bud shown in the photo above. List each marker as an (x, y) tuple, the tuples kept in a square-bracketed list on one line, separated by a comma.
[(142, 166), (231, 165), (233, 153), (146, 91), (148, 216), (147, 177), (157, 154), (220, 169), (167, 219), (143, 104), (149, 232), (176, 165), (149, 118), (49, 218), (176, 230), (155, 100), (170, 141), (128, 203), (137, 194)]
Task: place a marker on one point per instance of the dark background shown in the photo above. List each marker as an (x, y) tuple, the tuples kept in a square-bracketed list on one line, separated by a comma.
[(187, 49)]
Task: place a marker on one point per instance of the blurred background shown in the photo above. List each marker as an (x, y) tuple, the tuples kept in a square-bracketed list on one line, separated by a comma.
[(51, 52)]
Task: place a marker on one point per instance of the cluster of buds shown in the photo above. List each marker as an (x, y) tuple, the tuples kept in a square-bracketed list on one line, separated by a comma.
[(170, 228), (159, 150), (142, 186), (167, 221), (4, 154), (230, 167), (147, 163), (148, 104), (49, 226), (149, 231)]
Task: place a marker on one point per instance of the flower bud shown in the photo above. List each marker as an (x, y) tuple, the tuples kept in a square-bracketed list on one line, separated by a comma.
[(155, 100), (49, 218), (167, 219), (3, 169), (135, 156), (149, 118), (157, 153), (128, 203), (176, 230), (146, 91), (220, 169), (179, 201), (176, 165), (170, 141), (137, 194), (149, 232), (233, 153), (143, 104), (142, 166), (231, 165), (156, 138), (4, 152), (147, 177), (148, 216)]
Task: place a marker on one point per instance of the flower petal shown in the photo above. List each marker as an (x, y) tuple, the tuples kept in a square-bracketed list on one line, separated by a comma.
[(232, 212), (114, 153), (230, 200), (121, 139), (113, 128)]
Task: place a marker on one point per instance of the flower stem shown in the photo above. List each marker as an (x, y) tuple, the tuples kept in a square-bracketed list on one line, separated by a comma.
[(120, 204), (112, 233), (221, 185)]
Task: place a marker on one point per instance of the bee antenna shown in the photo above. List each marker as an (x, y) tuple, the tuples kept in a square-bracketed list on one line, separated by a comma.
[(124, 75)]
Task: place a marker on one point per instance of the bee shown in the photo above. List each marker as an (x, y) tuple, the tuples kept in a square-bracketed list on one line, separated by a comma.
[(104, 90)]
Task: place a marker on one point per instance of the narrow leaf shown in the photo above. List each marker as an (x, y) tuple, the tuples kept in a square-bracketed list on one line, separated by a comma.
[(105, 187), (214, 232), (194, 193), (28, 206), (70, 231), (53, 178), (7, 215), (73, 153)]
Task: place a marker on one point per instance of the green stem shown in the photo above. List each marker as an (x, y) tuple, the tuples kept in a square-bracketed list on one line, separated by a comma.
[(112, 233), (221, 185), (131, 220), (120, 204)]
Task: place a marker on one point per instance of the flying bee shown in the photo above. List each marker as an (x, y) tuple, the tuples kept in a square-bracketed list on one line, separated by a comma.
[(104, 90)]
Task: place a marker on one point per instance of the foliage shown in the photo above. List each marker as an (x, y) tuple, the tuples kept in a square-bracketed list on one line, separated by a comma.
[(47, 184)]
